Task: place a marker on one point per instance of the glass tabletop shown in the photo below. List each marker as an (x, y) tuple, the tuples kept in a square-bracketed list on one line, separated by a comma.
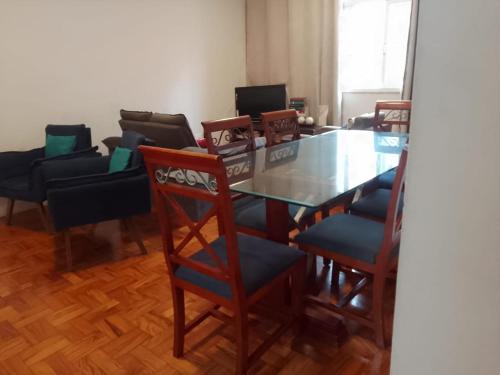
[(314, 170)]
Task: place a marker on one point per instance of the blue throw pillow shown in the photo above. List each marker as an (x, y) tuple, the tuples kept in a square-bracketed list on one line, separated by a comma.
[(56, 145), (119, 159)]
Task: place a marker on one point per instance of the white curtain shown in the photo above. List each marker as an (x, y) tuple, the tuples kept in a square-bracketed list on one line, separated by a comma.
[(296, 42), (406, 93)]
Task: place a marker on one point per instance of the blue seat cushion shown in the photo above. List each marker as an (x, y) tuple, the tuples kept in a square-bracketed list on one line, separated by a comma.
[(347, 235), (253, 215), (260, 261), (386, 180), (375, 204)]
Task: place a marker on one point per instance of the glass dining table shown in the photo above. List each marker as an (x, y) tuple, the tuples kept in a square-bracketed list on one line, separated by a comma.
[(312, 171)]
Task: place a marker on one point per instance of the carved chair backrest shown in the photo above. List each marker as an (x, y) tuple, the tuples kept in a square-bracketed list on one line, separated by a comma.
[(392, 112), (393, 221), (175, 173), (229, 136), (279, 124)]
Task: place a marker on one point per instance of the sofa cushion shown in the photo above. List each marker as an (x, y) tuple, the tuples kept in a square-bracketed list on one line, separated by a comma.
[(56, 145), (82, 133), (163, 135), (163, 118), (120, 159), (135, 115)]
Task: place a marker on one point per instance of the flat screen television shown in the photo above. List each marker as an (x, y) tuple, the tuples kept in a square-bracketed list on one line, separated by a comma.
[(254, 100)]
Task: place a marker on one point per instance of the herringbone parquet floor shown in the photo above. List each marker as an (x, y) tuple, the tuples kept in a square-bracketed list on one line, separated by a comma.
[(113, 315)]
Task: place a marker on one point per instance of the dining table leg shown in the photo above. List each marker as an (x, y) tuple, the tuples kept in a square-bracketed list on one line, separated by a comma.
[(277, 220)]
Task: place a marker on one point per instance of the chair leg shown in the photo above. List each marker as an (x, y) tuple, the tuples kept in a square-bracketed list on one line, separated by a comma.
[(179, 321), (241, 327), (378, 310), (312, 271), (67, 246), (325, 212), (336, 280), (298, 290), (10, 211), (44, 217), (136, 236)]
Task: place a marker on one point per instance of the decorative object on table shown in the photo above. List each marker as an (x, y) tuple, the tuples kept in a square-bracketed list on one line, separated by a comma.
[(301, 120), (309, 121), (299, 104), (323, 115), (20, 171)]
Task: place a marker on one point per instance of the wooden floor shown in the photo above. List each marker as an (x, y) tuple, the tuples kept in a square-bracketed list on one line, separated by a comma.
[(114, 316)]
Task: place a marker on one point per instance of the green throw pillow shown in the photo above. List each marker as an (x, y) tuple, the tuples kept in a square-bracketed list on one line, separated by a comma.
[(56, 145), (119, 159)]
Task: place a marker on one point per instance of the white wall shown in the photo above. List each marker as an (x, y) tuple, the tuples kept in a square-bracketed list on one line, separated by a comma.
[(75, 61), (448, 295), (67, 61), (355, 103)]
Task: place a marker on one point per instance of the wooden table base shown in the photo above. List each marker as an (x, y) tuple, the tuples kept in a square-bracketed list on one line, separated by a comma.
[(315, 318)]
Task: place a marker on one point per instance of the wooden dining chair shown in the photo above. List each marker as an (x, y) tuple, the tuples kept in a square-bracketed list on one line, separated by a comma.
[(389, 113), (392, 112), (236, 270), (280, 126), (228, 138), (368, 246)]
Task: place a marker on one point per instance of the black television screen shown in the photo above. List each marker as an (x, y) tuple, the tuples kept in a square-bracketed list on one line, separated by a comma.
[(254, 100)]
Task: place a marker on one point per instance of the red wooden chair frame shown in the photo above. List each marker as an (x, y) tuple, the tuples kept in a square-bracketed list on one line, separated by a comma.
[(228, 130), (386, 123), (216, 191), (228, 127), (385, 265), (280, 123)]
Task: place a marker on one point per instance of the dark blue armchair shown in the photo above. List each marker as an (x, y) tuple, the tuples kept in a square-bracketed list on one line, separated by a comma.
[(81, 192), (20, 171)]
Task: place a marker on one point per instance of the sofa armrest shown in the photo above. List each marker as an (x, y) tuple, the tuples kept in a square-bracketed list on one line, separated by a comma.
[(65, 169), (17, 163), (76, 201), (111, 143), (92, 179), (88, 152)]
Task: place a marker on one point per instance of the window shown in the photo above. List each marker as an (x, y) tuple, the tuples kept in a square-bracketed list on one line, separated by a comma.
[(373, 43)]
